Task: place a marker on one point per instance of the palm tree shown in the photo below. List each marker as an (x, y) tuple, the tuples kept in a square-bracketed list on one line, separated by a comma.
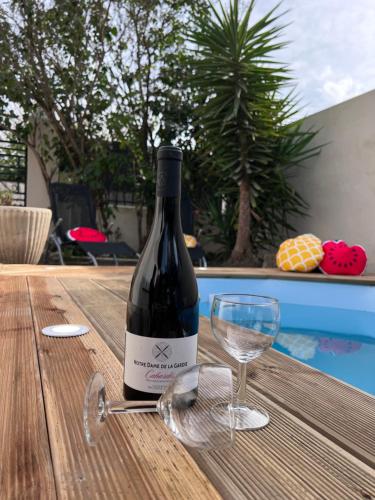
[(241, 116)]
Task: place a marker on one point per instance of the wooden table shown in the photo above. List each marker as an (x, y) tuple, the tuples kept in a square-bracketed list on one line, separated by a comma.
[(320, 443)]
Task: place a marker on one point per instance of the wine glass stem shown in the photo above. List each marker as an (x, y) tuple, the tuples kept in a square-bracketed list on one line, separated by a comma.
[(242, 376), (115, 407)]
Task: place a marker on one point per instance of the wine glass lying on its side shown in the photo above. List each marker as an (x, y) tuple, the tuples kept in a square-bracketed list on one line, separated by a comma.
[(185, 407)]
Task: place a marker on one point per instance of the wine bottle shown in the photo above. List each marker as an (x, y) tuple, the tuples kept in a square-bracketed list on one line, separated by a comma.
[(163, 305)]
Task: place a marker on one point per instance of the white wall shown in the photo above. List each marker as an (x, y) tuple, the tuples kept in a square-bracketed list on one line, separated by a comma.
[(125, 221), (36, 194), (36, 189), (339, 185)]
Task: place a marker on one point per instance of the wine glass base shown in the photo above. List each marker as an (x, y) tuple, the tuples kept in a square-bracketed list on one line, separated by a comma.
[(246, 418)]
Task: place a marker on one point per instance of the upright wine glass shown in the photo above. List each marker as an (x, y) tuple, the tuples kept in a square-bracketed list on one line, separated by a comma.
[(245, 326), (185, 407)]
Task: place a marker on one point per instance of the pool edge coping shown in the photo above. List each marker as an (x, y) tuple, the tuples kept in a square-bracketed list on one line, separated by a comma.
[(273, 273)]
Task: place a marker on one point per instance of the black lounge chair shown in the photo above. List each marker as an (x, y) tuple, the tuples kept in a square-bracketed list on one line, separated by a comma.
[(72, 206), (197, 254)]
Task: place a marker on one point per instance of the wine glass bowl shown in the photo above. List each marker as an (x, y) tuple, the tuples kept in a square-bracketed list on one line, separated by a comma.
[(185, 407), (245, 326)]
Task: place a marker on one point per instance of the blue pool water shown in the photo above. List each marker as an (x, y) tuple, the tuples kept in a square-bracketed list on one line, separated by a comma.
[(328, 326)]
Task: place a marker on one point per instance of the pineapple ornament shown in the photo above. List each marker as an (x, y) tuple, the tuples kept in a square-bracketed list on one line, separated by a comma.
[(301, 254)]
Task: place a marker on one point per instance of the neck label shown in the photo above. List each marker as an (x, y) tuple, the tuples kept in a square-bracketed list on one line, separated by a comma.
[(168, 182)]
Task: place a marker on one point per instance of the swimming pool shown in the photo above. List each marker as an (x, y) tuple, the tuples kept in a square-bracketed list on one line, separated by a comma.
[(328, 326)]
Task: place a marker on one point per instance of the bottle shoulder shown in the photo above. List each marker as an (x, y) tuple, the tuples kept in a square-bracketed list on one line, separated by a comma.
[(165, 273)]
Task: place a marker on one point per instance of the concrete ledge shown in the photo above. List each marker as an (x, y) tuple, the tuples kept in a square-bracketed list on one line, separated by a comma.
[(249, 272)]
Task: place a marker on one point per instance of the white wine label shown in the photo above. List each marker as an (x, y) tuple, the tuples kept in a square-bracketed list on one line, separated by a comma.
[(152, 363)]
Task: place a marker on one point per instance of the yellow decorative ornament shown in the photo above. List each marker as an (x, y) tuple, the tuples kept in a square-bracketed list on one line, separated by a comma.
[(301, 254), (191, 241)]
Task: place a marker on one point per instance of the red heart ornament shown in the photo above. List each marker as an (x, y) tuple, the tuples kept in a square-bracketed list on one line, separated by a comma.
[(339, 258)]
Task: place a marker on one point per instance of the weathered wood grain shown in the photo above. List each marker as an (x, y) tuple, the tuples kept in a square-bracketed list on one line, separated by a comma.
[(107, 317), (84, 272), (342, 413), (300, 454), (320, 443), (119, 286), (137, 458), (25, 460), (291, 460), (295, 386)]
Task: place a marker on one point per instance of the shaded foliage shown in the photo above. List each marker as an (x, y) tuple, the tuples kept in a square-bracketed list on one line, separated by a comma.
[(245, 131), (100, 84), (94, 72)]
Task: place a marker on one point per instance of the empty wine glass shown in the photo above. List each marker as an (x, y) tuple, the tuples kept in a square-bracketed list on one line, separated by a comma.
[(245, 326), (185, 407)]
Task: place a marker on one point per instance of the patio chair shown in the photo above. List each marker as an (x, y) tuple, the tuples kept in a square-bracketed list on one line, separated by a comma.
[(197, 254), (72, 206)]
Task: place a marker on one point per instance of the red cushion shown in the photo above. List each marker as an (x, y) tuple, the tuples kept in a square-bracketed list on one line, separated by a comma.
[(339, 258), (86, 234)]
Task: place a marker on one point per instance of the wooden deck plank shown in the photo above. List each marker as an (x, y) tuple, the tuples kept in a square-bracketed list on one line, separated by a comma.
[(86, 294), (61, 271), (25, 460), (138, 458), (326, 470), (272, 463), (119, 286), (344, 414)]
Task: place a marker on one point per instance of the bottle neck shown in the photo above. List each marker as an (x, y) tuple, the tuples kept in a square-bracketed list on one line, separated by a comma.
[(168, 194), (168, 213)]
